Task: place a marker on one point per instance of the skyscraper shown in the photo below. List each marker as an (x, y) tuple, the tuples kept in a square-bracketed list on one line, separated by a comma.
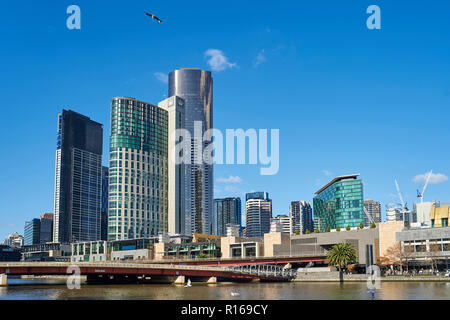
[(32, 232), (339, 203), (174, 106), (258, 212), (373, 209), (78, 178), (195, 87), (46, 232), (138, 170), (226, 211), (302, 218)]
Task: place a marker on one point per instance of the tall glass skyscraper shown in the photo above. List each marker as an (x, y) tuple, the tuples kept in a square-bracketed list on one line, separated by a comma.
[(339, 203), (46, 232), (78, 178), (138, 171), (258, 212), (195, 87), (104, 214), (226, 211)]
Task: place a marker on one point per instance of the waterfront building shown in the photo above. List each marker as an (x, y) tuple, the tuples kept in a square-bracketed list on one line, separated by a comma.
[(138, 170), (439, 215), (258, 212), (47, 252), (9, 254), (302, 216), (339, 203), (174, 106), (32, 232), (46, 228), (226, 211), (78, 175), (104, 210), (373, 209), (195, 87), (237, 247), (425, 246)]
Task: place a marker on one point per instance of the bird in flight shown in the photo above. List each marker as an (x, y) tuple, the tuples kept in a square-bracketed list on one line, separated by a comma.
[(153, 17)]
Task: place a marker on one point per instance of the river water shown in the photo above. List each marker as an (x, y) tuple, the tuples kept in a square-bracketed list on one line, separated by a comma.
[(25, 289)]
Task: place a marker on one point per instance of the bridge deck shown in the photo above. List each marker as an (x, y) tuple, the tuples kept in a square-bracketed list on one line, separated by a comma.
[(90, 268)]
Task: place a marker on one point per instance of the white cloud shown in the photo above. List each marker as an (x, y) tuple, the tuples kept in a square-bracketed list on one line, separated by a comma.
[(230, 179), (434, 179), (260, 58), (163, 77), (327, 173), (217, 60)]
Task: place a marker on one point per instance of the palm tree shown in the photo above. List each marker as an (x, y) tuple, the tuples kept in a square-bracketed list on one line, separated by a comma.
[(341, 255)]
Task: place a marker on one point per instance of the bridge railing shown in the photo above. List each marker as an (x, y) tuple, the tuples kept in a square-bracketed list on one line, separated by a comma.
[(265, 270)]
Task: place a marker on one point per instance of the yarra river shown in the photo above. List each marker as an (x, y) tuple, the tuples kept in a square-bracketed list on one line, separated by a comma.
[(23, 289)]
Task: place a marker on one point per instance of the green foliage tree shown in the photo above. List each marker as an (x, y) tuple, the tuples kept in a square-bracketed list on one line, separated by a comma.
[(338, 229), (361, 226), (341, 255), (347, 228), (317, 230), (328, 229), (307, 231), (297, 233), (373, 225)]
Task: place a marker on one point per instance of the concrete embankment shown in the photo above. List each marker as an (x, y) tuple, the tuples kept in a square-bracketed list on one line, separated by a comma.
[(333, 276)]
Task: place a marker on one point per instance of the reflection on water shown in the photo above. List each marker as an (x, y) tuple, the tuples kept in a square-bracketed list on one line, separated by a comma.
[(48, 289)]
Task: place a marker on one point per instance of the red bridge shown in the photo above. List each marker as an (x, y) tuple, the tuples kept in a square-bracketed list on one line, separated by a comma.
[(139, 272)]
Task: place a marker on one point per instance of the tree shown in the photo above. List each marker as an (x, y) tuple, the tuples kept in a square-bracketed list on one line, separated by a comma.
[(317, 230), (341, 255), (297, 233), (338, 229), (361, 226), (307, 231), (347, 228), (373, 225), (433, 254), (328, 229)]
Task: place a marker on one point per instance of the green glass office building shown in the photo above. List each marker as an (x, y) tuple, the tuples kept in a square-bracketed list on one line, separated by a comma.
[(138, 178), (339, 203)]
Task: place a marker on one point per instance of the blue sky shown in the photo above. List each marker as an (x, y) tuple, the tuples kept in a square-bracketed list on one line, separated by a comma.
[(345, 98)]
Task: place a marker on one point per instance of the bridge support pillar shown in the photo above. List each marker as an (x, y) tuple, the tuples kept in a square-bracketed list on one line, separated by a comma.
[(3, 280), (212, 280), (180, 280)]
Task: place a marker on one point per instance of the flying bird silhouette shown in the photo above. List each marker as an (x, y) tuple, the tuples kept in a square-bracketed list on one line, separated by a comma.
[(153, 17)]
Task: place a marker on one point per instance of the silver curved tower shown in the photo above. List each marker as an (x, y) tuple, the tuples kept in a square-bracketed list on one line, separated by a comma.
[(196, 88)]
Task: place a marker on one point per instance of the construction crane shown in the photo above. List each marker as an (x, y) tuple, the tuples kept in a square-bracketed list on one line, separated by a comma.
[(368, 215), (405, 209), (420, 195)]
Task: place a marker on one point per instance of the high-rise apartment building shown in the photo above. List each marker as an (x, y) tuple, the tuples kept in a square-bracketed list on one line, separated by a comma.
[(283, 222), (46, 228), (78, 178), (373, 210), (32, 232), (339, 203), (174, 106), (195, 87), (302, 216), (104, 214), (138, 170), (258, 212), (226, 211)]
